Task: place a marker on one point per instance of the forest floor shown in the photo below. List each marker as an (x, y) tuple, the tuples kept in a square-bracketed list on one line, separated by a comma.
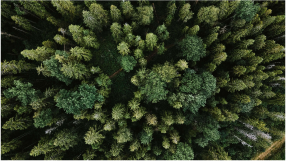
[(271, 150)]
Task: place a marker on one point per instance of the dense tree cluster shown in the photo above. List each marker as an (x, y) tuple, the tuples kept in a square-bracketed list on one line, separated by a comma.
[(132, 80)]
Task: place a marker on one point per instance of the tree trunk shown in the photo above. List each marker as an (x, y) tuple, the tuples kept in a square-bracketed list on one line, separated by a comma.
[(21, 30), (3, 33)]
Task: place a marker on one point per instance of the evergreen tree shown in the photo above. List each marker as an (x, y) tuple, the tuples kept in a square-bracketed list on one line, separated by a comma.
[(208, 14), (192, 48), (74, 102), (151, 41), (22, 22), (185, 13), (115, 13), (96, 17)]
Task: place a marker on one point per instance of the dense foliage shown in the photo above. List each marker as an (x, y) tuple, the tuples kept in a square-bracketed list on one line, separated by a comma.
[(133, 80)]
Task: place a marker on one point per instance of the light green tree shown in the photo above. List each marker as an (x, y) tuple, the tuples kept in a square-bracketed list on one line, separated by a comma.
[(115, 13), (116, 31), (123, 48), (81, 53), (96, 17), (186, 13), (208, 14), (144, 16), (40, 54), (151, 41), (22, 22)]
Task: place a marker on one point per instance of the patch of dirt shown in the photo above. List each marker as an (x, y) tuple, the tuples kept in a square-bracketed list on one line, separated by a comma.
[(269, 151)]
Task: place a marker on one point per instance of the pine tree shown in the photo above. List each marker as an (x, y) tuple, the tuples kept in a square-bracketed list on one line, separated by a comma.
[(151, 41), (185, 13), (93, 136), (66, 8), (246, 10), (81, 53), (36, 8), (123, 135), (115, 13), (192, 48), (17, 123), (116, 31), (8, 146), (144, 16), (9, 67), (22, 22), (123, 48), (96, 17), (61, 40), (171, 12), (127, 9), (40, 54), (72, 102), (65, 139), (208, 14), (128, 63), (162, 32)]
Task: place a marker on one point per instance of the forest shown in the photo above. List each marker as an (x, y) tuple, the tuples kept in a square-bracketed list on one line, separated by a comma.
[(142, 80)]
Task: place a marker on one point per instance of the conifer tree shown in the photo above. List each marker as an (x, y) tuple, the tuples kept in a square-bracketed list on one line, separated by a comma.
[(9, 67), (115, 13), (22, 22), (81, 53), (127, 9), (40, 54), (123, 48), (17, 123), (185, 13), (144, 16), (192, 48), (66, 8), (96, 17), (208, 14), (36, 7), (116, 31), (151, 41)]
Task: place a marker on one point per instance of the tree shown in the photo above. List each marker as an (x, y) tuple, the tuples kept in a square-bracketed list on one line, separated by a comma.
[(151, 41), (118, 112), (115, 29), (85, 38), (96, 17), (208, 14), (154, 88), (8, 146), (218, 58), (144, 15), (171, 12), (183, 152), (35, 7), (66, 8), (192, 48), (162, 32), (127, 9), (216, 153), (43, 119), (65, 139), (15, 67), (210, 39), (74, 70), (81, 53), (22, 22), (239, 70), (128, 63), (115, 13), (123, 48), (93, 136), (40, 54), (17, 123), (246, 10), (185, 13), (53, 67), (61, 40), (123, 135), (195, 88), (182, 64), (74, 102), (23, 91)]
